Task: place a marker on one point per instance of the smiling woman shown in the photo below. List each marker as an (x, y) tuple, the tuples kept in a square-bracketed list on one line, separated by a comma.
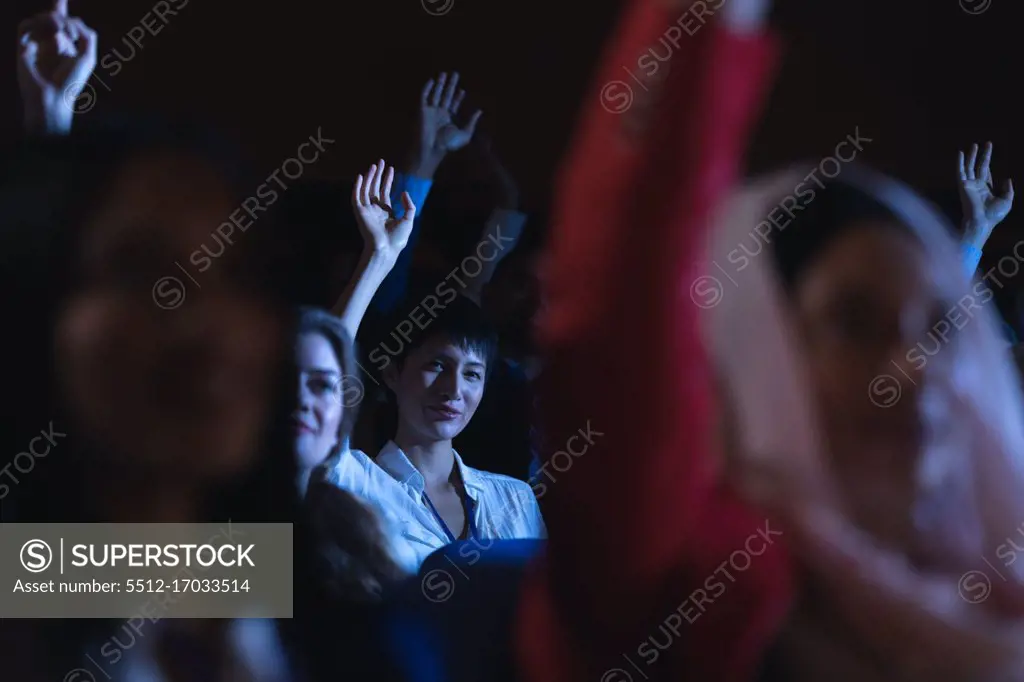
[(327, 407), (435, 385)]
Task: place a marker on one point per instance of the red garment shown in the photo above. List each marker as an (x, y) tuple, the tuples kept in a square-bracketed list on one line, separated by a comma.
[(638, 521)]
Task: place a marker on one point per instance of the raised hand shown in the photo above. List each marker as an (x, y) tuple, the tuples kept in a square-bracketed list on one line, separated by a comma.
[(982, 208), (439, 133), (56, 57), (383, 235)]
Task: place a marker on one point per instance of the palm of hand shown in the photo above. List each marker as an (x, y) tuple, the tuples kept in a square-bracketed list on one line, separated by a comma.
[(57, 69), (983, 204), (57, 53), (441, 133), (384, 231)]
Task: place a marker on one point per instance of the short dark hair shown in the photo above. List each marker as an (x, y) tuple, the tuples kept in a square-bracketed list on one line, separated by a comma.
[(461, 321), (318, 321)]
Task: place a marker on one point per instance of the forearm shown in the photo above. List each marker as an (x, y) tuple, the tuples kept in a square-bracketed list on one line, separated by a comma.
[(355, 300), (500, 237), (423, 163)]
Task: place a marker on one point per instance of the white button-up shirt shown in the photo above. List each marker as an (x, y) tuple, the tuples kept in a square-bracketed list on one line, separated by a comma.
[(503, 508)]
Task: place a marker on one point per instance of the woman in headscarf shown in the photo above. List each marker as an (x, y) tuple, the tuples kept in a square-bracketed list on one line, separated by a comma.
[(876, 414)]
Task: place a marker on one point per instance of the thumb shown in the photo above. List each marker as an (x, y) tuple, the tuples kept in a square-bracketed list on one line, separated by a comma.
[(60, 8), (410, 208), (474, 119), (1008, 190)]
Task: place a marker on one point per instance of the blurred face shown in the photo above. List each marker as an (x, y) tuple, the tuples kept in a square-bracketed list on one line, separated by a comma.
[(183, 391), (438, 388), (875, 313), (318, 416)]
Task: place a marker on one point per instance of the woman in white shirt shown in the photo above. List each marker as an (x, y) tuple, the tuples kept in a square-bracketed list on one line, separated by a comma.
[(437, 371)]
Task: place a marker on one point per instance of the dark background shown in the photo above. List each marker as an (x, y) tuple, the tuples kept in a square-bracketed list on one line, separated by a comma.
[(922, 78)]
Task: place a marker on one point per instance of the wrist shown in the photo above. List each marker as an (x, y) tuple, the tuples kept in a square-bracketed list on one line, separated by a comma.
[(47, 115), (377, 260), (423, 164), (976, 231)]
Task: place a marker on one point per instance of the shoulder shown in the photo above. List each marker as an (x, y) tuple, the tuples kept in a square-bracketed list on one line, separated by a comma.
[(513, 500), (502, 483), (350, 469)]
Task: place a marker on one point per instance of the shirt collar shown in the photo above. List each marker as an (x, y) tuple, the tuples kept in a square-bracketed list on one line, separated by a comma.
[(392, 460)]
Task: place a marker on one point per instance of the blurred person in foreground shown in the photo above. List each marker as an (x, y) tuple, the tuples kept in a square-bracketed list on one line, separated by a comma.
[(914, 494), (890, 461), (175, 402)]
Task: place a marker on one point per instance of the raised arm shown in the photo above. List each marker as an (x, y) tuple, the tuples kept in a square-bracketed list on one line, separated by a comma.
[(982, 208), (504, 227), (56, 57), (633, 524), (384, 238), (437, 135)]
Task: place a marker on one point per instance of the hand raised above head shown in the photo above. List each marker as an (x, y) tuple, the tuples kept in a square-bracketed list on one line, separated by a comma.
[(439, 133), (57, 54), (982, 208), (383, 234)]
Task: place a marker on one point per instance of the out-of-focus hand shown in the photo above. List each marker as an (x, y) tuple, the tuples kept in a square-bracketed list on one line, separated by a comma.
[(982, 208), (745, 16), (439, 134), (56, 57), (913, 625), (384, 236)]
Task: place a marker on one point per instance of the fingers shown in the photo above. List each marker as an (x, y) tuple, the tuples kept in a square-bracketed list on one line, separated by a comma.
[(972, 162), (435, 97), (449, 92), (84, 38), (375, 192), (367, 196), (963, 170), (60, 8), (357, 192), (385, 195), (25, 28), (425, 95), (459, 96), (28, 55), (1008, 190), (985, 165)]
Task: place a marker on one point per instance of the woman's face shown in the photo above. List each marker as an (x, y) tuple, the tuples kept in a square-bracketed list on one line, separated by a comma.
[(317, 418), (881, 321), (165, 370), (438, 389)]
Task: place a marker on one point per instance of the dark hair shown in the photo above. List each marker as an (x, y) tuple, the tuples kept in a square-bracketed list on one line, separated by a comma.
[(317, 321), (461, 321), (818, 223), (48, 188), (354, 561)]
